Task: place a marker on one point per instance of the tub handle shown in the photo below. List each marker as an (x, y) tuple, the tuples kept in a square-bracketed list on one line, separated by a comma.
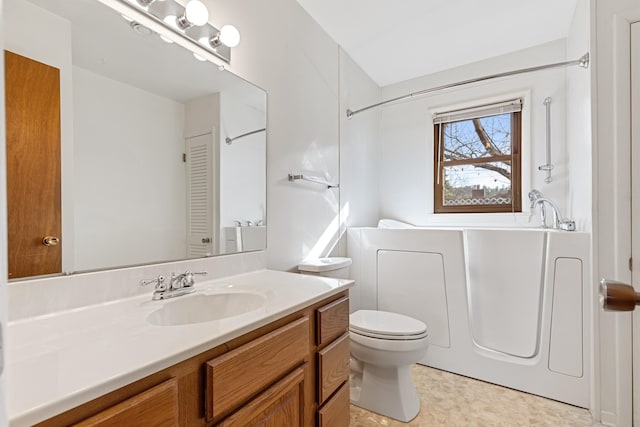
[(618, 296)]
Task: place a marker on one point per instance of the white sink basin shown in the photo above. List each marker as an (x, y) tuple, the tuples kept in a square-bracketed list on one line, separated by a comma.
[(206, 307)]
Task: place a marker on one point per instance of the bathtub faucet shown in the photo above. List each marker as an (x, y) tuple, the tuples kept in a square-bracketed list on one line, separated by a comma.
[(559, 223)]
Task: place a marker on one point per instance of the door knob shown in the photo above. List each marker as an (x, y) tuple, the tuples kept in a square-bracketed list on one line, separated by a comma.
[(50, 240), (618, 296)]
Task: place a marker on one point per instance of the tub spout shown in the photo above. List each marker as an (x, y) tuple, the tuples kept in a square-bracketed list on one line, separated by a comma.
[(559, 223), (554, 210)]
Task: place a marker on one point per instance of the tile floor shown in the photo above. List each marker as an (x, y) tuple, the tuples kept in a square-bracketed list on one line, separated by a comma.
[(452, 400)]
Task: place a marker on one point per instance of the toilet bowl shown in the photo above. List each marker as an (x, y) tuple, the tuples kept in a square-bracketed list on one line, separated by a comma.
[(384, 345)]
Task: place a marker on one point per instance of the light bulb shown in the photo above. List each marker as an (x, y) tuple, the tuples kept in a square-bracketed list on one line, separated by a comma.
[(196, 12), (171, 20), (229, 35), (199, 58)]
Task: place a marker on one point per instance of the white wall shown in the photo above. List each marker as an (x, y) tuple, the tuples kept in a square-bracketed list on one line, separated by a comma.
[(129, 187), (579, 148), (406, 143), (359, 136), (243, 163), (202, 115), (47, 39), (578, 118), (286, 53)]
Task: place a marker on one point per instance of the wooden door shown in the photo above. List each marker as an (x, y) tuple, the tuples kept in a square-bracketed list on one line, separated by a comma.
[(32, 99)]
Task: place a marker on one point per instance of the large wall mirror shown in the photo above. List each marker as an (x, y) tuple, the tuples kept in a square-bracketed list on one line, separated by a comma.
[(123, 148)]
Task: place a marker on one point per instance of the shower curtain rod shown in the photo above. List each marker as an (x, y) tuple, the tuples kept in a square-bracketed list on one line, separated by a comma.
[(583, 62), (230, 140)]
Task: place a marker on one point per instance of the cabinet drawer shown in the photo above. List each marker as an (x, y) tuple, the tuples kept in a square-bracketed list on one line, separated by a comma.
[(157, 406), (335, 413), (238, 375), (332, 320), (282, 404), (333, 367)]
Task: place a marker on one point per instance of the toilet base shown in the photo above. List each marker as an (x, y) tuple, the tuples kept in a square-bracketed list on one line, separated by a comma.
[(386, 390)]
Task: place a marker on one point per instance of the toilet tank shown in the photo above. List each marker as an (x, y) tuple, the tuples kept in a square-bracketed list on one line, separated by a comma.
[(336, 267)]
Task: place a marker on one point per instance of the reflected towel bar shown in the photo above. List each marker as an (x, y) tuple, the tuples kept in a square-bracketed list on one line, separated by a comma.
[(230, 140), (302, 177)]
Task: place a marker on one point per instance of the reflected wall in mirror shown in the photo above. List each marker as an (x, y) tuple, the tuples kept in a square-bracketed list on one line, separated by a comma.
[(139, 171)]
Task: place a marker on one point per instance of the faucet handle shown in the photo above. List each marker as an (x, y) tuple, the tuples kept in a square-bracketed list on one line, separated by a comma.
[(198, 273), (159, 281), (567, 225), (534, 195), (189, 279)]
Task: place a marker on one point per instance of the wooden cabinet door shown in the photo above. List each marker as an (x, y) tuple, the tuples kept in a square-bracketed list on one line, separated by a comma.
[(335, 413), (280, 405), (332, 320), (33, 166), (333, 367), (236, 376), (156, 407)]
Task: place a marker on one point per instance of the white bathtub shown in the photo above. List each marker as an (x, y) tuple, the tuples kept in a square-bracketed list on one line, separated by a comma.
[(508, 306)]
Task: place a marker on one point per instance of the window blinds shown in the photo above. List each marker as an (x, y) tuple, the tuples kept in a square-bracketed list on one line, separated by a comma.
[(505, 107)]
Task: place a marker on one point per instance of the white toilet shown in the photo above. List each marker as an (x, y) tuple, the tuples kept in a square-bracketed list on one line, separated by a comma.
[(384, 345)]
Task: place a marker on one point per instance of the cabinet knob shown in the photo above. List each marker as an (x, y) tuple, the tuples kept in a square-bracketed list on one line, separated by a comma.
[(206, 240)]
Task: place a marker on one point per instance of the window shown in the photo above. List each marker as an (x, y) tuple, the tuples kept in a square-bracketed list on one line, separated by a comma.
[(477, 159)]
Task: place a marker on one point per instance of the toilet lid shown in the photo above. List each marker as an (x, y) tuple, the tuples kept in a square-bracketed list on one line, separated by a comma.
[(383, 323)]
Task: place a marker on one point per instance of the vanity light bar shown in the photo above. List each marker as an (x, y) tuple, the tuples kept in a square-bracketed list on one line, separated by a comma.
[(181, 21)]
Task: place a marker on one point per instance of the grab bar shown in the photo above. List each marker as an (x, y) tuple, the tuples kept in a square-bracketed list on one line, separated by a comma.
[(548, 167), (313, 179)]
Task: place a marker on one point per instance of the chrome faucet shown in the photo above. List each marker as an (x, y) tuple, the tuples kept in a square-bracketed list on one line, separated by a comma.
[(179, 284), (559, 223)]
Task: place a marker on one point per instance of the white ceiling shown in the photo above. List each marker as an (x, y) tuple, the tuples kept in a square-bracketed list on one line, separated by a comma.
[(398, 40)]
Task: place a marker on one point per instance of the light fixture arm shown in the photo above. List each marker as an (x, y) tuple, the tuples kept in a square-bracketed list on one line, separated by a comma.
[(183, 23), (215, 41)]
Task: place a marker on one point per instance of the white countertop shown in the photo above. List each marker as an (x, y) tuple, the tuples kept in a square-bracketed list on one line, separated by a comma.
[(59, 361)]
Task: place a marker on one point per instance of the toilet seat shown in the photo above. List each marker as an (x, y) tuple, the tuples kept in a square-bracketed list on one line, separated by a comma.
[(386, 325), (389, 337)]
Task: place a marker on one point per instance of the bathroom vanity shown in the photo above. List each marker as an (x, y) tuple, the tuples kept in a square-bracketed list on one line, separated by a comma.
[(283, 363)]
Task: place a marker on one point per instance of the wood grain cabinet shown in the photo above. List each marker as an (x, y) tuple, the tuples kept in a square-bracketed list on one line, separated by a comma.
[(332, 338), (291, 372), (156, 407), (280, 405), (235, 377), (335, 412)]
